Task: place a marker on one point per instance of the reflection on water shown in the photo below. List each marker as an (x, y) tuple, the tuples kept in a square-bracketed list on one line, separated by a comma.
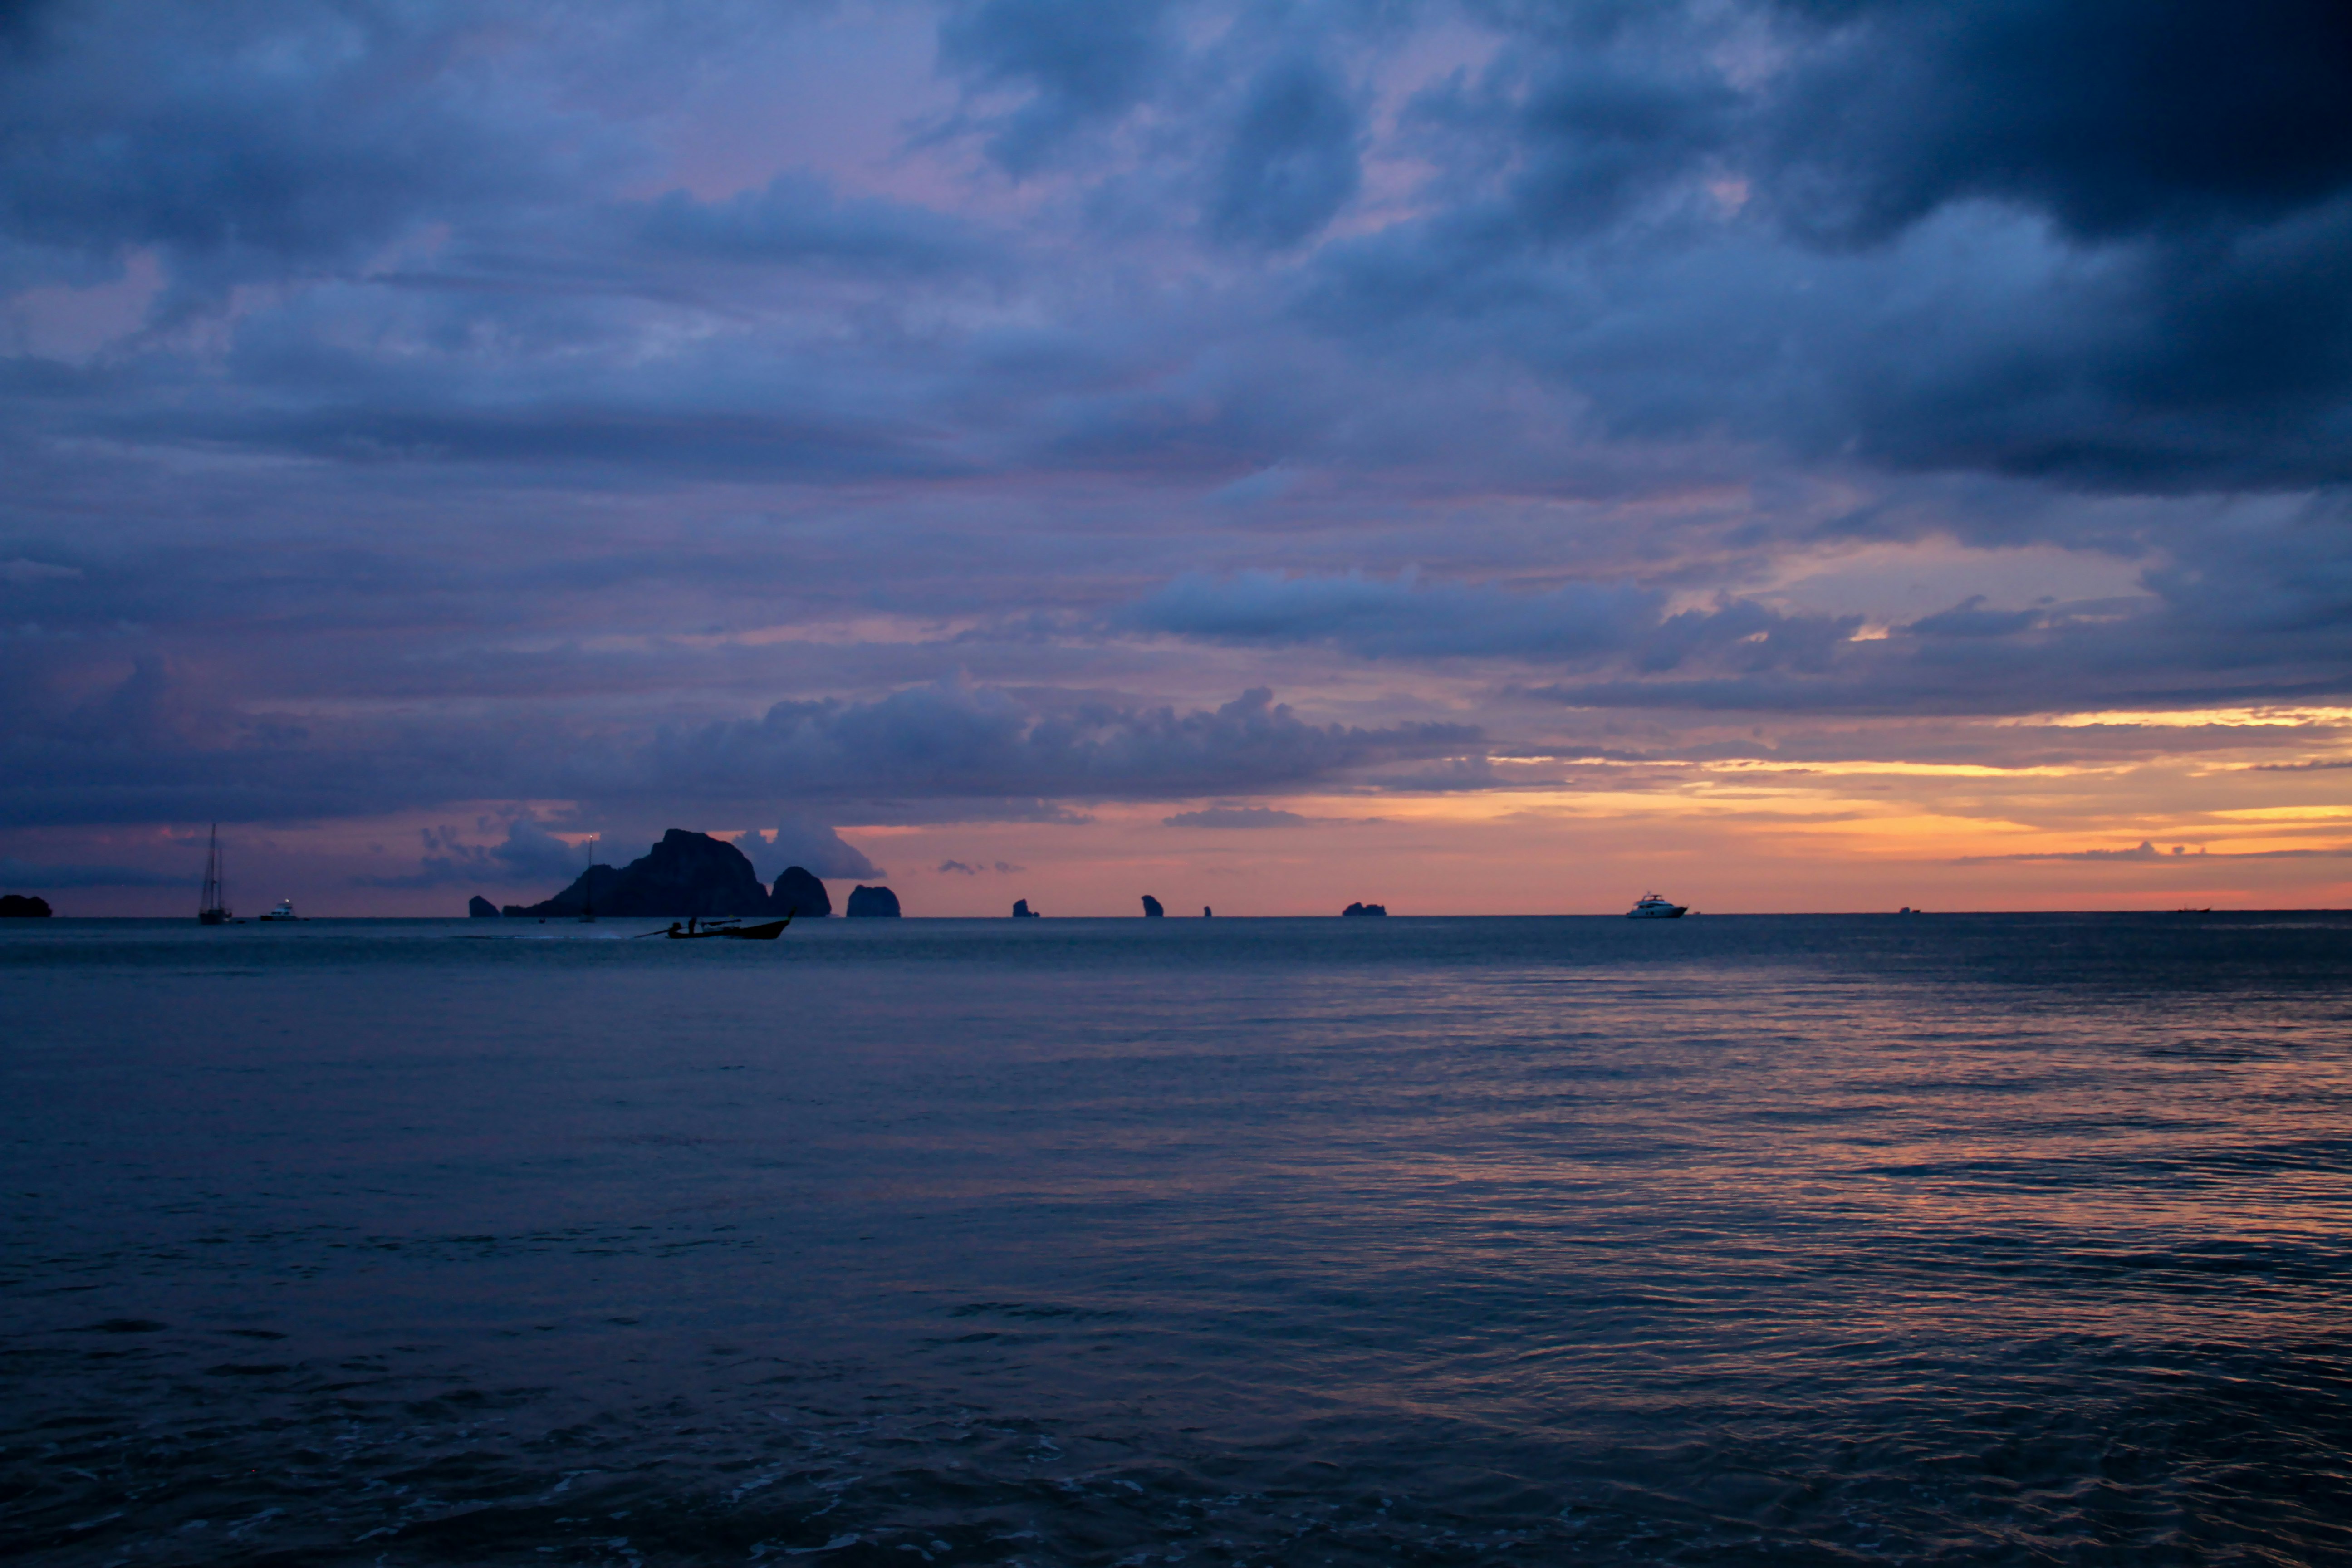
[(1727, 1240)]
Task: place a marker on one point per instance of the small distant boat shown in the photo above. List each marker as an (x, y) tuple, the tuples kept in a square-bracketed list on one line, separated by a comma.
[(284, 911), (212, 904), (1653, 908)]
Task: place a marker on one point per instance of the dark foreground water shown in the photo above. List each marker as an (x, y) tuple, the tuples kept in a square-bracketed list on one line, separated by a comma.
[(1941, 1240)]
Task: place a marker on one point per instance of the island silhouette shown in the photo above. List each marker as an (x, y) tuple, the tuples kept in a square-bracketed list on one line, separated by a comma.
[(688, 874)]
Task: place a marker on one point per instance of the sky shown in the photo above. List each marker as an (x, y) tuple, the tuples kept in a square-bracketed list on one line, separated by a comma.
[(1490, 457)]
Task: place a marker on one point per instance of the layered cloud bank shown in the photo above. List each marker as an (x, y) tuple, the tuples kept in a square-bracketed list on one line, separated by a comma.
[(1834, 449)]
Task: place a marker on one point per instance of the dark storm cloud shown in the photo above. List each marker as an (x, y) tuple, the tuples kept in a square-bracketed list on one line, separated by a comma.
[(1976, 341), (2091, 244), (2097, 245), (248, 140), (1247, 119), (1969, 619), (1403, 618), (2256, 605), (1860, 117), (1292, 162), (154, 749), (952, 741), (1601, 134), (1400, 616), (2193, 337), (1076, 65), (2117, 116)]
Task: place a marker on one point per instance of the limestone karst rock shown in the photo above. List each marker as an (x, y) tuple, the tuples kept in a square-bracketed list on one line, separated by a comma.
[(1152, 910), (1365, 909), (879, 903), (685, 874), (1021, 911), (798, 892), (481, 909), (24, 906)]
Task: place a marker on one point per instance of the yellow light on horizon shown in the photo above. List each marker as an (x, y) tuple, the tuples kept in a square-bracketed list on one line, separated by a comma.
[(2286, 813), (1913, 770), (2189, 717)]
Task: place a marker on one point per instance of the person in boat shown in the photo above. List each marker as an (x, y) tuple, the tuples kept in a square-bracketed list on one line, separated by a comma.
[(673, 928)]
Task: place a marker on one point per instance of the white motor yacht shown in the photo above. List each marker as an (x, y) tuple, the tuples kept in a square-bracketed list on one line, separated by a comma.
[(284, 911), (1653, 908)]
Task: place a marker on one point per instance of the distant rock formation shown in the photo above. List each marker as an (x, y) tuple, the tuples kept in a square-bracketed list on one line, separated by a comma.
[(1365, 909), (1206, 913), (880, 902), (24, 907), (1152, 910), (685, 874), (1021, 911), (481, 909), (799, 892)]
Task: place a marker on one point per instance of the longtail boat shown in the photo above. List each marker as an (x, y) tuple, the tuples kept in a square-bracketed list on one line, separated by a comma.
[(766, 931)]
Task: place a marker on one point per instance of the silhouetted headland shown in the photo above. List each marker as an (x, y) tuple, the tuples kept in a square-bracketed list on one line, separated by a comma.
[(24, 906)]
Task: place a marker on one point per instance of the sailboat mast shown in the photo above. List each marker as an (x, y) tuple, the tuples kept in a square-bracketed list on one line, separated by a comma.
[(212, 904)]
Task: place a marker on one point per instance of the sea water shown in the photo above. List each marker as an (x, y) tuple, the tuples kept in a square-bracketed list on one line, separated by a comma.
[(1725, 1240)]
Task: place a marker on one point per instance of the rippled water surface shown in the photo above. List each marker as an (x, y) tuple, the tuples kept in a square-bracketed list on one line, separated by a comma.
[(1939, 1239)]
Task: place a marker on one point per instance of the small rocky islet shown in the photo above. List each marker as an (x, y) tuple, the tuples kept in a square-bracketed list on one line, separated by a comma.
[(866, 902)]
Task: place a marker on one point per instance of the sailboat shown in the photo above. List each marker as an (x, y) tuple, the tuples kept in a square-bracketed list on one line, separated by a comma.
[(212, 904)]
